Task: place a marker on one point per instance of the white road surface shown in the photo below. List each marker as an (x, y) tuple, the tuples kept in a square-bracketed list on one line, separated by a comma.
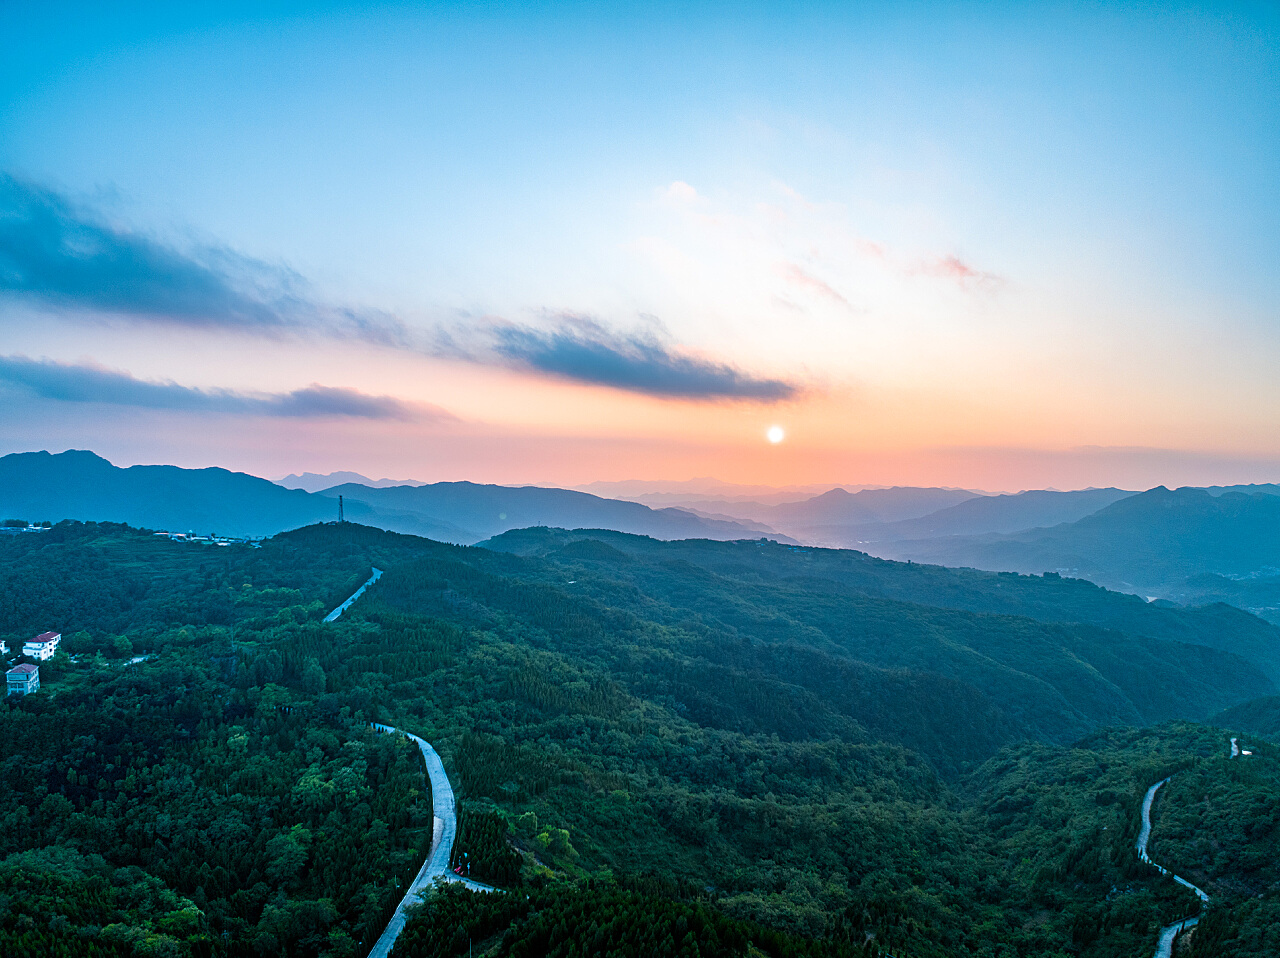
[(445, 830), (1164, 946), (436, 867), (377, 574)]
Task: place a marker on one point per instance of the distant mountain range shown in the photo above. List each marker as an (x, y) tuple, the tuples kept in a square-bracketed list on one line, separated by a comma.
[(81, 485), (1191, 546), (477, 512), (854, 520), (979, 515), (313, 482), (1185, 544)]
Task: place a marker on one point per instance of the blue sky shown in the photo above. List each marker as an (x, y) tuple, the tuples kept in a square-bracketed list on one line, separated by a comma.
[(939, 227)]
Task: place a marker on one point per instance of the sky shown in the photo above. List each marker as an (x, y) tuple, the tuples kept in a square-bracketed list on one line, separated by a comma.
[(998, 246)]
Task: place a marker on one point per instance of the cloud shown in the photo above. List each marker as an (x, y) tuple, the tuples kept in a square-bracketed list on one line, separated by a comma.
[(584, 350), (956, 269), (797, 276), (64, 257), (681, 192), (66, 382), (58, 255)]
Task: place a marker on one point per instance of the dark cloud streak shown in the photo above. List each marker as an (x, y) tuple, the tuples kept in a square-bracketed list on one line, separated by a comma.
[(57, 255), (60, 256), (65, 382), (586, 351)]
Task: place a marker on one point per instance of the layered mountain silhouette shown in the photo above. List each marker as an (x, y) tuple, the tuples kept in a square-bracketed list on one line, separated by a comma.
[(315, 482), (81, 485), (979, 515), (841, 519), (1192, 546), (1170, 543)]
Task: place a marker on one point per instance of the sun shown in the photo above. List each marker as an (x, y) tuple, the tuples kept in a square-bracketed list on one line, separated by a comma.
[(775, 434)]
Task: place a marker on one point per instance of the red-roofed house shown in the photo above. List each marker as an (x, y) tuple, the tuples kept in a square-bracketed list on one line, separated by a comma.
[(43, 645), (22, 679)]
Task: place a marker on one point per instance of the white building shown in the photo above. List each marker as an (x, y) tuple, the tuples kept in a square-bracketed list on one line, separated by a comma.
[(22, 680), (43, 645)]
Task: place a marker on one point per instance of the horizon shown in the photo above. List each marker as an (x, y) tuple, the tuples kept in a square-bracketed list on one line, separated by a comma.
[(705, 487), (996, 249)]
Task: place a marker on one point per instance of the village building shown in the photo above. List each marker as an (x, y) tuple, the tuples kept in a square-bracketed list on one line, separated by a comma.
[(22, 679), (43, 645)]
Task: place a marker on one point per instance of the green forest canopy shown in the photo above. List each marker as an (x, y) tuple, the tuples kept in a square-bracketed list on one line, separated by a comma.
[(684, 748)]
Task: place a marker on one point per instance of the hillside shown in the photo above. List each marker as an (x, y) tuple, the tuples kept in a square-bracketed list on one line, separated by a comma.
[(840, 508), (487, 510), (1058, 675), (789, 751), (1151, 543), (80, 485), (1259, 717), (1006, 513)]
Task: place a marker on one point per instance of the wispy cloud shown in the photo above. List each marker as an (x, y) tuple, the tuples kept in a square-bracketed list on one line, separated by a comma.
[(798, 276), (957, 270), (584, 350), (57, 254), (83, 383), (65, 257)]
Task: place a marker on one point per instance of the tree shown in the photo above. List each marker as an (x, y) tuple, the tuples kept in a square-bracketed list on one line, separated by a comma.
[(313, 678)]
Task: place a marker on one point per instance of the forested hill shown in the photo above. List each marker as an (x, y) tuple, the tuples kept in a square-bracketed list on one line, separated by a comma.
[(1054, 657), (689, 748), (1158, 541), (77, 484)]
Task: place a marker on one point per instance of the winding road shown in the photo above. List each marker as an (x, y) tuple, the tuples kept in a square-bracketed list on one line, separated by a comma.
[(377, 574), (437, 864), (444, 830), (1164, 946)]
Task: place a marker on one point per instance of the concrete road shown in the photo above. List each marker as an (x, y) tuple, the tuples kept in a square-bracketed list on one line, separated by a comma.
[(1164, 946), (377, 574), (436, 867)]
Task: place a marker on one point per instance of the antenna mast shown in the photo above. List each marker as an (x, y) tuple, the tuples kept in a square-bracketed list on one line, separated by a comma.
[(340, 519)]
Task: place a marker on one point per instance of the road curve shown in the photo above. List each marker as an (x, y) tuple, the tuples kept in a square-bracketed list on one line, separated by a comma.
[(1164, 946), (437, 864), (377, 574)]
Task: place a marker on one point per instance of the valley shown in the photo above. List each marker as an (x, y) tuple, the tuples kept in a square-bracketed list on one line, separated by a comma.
[(813, 751)]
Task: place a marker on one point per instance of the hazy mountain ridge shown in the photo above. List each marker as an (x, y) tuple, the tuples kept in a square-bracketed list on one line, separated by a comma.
[(1154, 541), (1031, 509), (485, 510), (81, 485), (315, 482), (1194, 546)]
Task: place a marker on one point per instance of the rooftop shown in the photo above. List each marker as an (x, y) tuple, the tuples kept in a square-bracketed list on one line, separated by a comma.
[(23, 669), (47, 636)]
